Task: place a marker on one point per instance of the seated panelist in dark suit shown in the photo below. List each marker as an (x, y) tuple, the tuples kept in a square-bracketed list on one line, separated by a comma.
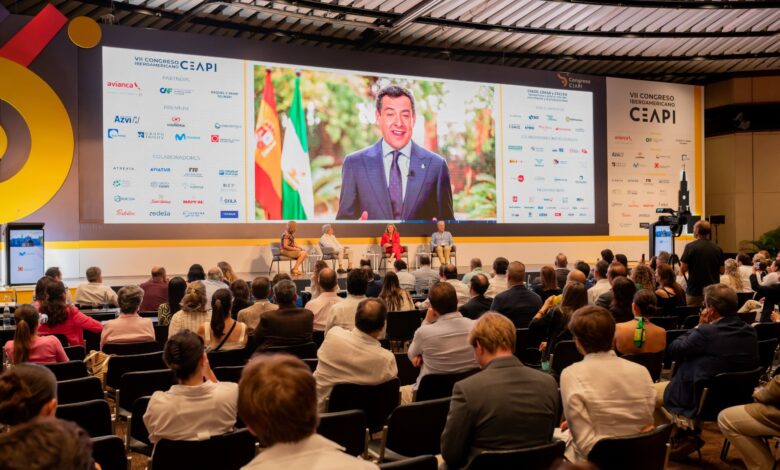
[(518, 302), (478, 303), (395, 179), (721, 343), (505, 406), (287, 326)]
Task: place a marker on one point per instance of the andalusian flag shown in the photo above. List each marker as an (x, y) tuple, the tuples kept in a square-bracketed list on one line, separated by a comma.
[(297, 193), (268, 156)]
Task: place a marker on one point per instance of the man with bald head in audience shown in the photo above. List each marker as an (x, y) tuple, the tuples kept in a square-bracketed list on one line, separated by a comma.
[(561, 271), (355, 357), (478, 303), (322, 305), (518, 302), (575, 275), (616, 270), (155, 290)]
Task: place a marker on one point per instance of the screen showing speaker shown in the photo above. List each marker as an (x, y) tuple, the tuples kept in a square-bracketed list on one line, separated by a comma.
[(195, 139)]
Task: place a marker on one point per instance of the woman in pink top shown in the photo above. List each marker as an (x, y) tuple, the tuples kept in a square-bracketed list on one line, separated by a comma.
[(129, 327), (27, 346), (65, 319)]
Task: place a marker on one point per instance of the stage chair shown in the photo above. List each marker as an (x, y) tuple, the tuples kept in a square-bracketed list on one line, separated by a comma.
[(388, 256), (435, 257), (277, 257)]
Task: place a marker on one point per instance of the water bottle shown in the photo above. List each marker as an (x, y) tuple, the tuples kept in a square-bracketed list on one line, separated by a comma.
[(6, 317)]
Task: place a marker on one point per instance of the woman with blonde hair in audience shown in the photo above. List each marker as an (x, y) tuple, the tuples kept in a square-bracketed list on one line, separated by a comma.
[(199, 406), (396, 299), (193, 310), (222, 333), (227, 271), (643, 277), (27, 391), (27, 346), (730, 275), (177, 287), (65, 319), (548, 284), (315, 278)]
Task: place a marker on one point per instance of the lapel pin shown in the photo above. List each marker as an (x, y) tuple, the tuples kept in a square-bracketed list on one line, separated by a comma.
[(423, 166)]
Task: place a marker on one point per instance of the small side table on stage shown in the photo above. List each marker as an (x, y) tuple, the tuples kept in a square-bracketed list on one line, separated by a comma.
[(373, 258), (312, 260)]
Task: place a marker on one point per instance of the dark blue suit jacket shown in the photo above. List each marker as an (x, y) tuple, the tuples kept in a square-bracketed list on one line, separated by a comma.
[(518, 303), (364, 187), (730, 345)]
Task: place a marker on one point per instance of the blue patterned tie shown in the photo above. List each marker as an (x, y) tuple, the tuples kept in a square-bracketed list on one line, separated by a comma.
[(396, 189)]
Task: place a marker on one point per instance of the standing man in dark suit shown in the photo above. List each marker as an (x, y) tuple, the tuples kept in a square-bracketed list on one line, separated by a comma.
[(395, 179), (702, 262), (478, 303), (505, 406), (287, 326), (518, 303), (721, 343)]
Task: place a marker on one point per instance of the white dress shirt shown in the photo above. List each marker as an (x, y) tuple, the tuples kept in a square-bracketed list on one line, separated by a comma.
[(404, 161), (321, 308), (444, 346), (343, 313), (330, 241), (95, 293), (600, 287), (604, 396), (192, 412), (461, 290), (406, 279), (313, 452), (744, 275), (498, 284), (351, 357)]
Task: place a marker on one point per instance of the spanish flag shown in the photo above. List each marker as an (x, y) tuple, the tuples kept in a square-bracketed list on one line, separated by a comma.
[(268, 156)]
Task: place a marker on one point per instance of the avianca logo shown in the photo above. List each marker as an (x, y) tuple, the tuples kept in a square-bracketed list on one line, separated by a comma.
[(125, 85)]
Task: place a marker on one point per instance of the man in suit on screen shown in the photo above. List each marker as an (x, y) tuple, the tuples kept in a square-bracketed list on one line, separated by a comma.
[(395, 179)]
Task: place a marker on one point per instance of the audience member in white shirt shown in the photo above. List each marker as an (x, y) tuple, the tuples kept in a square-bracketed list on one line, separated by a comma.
[(602, 285), (424, 276), (449, 273), (277, 399), (214, 282), (328, 298), (330, 245), (773, 274), (405, 278), (440, 345), (745, 268), (499, 282), (355, 357), (93, 292), (199, 406), (128, 327), (603, 395), (343, 313)]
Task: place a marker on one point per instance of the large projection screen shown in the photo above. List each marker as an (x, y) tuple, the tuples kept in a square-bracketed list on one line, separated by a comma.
[(197, 139)]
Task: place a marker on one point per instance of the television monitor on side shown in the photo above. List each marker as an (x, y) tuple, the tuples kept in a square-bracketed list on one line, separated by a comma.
[(24, 252)]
